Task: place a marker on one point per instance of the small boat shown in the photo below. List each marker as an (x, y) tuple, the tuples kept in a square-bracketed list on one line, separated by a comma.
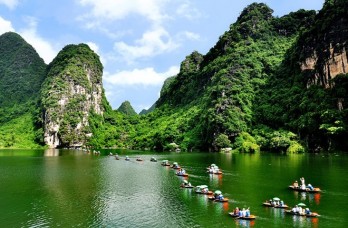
[(139, 159), (312, 214), (203, 189), (182, 174), (214, 169), (186, 184), (165, 163), (218, 197), (215, 172), (250, 217), (153, 159), (267, 204), (117, 157), (176, 165), (314, 190), (224, 200), (212, 166), (127, 158), (275, 202)]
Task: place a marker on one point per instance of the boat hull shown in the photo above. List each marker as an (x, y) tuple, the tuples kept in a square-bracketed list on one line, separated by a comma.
[(278, 206), (250, 217), (313, 214), (315, 190)]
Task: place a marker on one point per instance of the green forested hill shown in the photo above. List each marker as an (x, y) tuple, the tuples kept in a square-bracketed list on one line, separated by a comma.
[(308, 93), (22, 72), (270, 83), (209, 104), (127, 109)]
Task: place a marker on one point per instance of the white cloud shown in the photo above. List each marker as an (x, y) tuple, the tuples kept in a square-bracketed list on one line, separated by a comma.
[(152, 43), (119, 9), (10, 3), (42, 46), (147, 77), (188, 11), (5, 26), (93, 46), (191, 35)]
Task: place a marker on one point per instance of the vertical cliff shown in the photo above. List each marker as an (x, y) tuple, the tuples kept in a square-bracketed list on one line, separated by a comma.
[(323, 48), (72, 90)]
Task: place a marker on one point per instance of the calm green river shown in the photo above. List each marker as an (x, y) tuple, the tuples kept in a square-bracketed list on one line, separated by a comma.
[(68, 188)]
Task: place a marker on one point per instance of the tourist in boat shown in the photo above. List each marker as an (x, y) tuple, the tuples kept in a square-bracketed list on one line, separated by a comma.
[(242, 214), (300, 211), (307, 211), (303, 184), (236, 211), (186, 184), (247, 212), (181, 172), (296, 209), (310, 187), (281, 203), (295, 184)]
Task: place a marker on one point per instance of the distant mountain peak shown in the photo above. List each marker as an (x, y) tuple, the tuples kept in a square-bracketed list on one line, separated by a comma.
[(127, 109)]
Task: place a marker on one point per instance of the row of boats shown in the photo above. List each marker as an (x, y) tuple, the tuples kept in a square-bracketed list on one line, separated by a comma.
[(216, 196)]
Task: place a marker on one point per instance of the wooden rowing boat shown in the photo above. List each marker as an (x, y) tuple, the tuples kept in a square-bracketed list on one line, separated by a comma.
[(215, 173), (250, 217), (267, 204), (186, 186), (312, 214), (315, 190), (225, 200)]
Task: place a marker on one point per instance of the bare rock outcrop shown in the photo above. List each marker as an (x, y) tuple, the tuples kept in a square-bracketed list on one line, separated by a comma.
[(73, 89)]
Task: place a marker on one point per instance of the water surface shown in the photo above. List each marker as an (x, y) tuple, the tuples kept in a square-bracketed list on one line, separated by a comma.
[(69, 188)]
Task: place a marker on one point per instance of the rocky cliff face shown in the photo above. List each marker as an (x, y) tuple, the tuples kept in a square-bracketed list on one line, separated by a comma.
[(323, 52), (73, 89), (336, 64)]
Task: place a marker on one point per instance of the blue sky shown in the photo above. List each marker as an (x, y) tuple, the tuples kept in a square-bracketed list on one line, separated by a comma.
[(140, 42)]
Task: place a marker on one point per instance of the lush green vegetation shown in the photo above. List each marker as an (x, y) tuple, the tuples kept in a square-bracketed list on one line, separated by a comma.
[(22, 72), (248, 92), (127, 109), (209, 105), (311, 103), (19, 132), (72, 77)]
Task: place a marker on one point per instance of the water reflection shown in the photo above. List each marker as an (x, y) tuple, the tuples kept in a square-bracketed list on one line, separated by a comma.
[(71, 188), (310, 198), (51, 153), (244, 223)]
